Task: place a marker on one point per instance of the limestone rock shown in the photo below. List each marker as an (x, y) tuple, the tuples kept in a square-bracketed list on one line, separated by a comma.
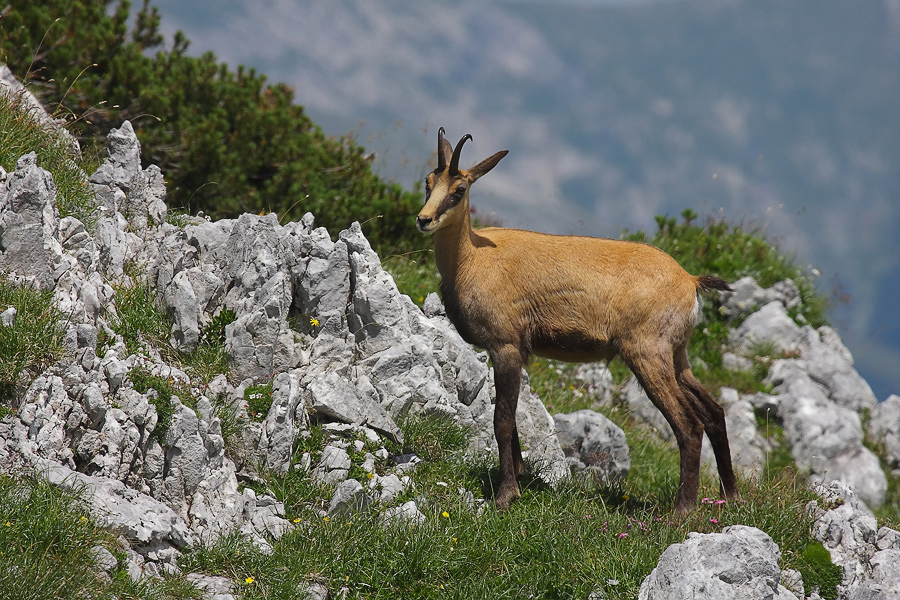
[(594, 444), (739, 563)]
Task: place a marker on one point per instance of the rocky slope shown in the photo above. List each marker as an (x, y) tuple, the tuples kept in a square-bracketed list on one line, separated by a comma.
[(325, 325)]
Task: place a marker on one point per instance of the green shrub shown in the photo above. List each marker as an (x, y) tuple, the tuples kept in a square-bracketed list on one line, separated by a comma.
[(22, 132), (227, 141)]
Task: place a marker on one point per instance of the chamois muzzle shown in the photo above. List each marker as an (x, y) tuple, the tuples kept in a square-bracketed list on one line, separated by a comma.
[(423, 222)]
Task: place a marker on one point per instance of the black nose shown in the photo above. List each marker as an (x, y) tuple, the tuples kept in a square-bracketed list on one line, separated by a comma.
[(423, 222)]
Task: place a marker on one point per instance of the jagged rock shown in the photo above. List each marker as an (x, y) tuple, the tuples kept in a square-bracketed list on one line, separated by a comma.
[(746, 296), (594, 444), (884, 427), (869, 558), (146, 523), (405, 514), (350, 496), (334, 465), (739, 563), (212, 587), (8, 317), (827, 440), (388, 487), (29, 226), (145, 205), (104, 559), (286, 418), (793, 581), (846, 527), (263, 519), (123, 162), (884, 581), (333, 396), (770, 325), (819, 354)]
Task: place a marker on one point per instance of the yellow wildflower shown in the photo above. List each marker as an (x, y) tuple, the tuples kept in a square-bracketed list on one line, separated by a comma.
[(314, 322)]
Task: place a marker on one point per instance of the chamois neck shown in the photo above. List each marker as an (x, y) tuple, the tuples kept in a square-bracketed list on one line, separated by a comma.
[(453, 245)]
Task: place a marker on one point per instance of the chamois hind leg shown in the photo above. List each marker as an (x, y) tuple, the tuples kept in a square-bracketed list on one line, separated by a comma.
[(507, 379), (656, 374), (518, 461), (713, 417)]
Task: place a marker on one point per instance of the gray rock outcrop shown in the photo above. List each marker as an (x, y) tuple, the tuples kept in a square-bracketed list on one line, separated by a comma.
[(820, 395), (593, 444), (739, 563), (317, 320), (866, 553)]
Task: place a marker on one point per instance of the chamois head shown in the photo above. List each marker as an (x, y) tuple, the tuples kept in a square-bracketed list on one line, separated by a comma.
[(447, 187)]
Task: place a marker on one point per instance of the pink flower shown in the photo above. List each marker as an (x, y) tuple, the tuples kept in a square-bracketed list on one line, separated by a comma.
[(714, 521), (623, 535)]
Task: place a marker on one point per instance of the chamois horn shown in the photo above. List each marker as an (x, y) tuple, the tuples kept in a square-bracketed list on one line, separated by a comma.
[(454, 162), (442, 158)]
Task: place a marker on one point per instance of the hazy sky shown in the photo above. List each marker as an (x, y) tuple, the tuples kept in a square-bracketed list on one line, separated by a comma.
[(617, 110)]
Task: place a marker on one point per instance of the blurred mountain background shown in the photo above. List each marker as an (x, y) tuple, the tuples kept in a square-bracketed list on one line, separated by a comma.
[(779, 115)]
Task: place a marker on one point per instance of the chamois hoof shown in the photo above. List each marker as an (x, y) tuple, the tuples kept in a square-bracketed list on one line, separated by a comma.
[(506, 496)]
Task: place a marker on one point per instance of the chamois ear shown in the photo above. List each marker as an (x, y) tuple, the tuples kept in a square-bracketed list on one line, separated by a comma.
[(486, 165)]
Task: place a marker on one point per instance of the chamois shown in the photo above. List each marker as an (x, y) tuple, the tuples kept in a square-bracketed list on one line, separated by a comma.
[(574, 298)]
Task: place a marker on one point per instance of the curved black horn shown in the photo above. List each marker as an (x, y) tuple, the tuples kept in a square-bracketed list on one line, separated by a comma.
[(454, 162), (442, 160)]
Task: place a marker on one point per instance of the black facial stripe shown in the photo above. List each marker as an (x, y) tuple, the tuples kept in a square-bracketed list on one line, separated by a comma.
[(449, 201)]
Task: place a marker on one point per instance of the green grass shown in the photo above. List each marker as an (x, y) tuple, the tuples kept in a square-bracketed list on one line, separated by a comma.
[(562, 543), (46, 542), (34, 341), (140, 320), (258, 400), (22, 132)]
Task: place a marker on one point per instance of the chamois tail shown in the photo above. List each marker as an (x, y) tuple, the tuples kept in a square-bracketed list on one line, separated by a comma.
[(706, 283)]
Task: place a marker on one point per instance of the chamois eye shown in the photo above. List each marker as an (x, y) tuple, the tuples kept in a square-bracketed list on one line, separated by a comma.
[(460, 191)]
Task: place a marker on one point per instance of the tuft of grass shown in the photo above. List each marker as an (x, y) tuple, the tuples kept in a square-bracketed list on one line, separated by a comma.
[(46, 549), (46, 542), (432, 437), (34, 341), (21, 132), (140, 320)]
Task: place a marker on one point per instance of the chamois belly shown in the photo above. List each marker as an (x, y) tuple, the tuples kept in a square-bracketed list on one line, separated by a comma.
[(578, 338)]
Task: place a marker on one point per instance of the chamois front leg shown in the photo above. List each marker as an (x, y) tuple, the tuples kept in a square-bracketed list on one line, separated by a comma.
[(507, 380)]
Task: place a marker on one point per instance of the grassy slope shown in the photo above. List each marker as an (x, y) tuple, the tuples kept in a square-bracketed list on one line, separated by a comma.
[(553, 543)]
